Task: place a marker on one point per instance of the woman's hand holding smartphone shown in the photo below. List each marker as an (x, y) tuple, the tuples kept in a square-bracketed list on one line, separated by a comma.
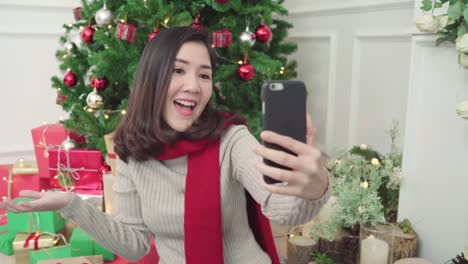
[(288, 143)]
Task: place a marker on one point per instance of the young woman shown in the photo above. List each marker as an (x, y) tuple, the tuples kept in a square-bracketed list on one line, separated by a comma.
[(187, 172)]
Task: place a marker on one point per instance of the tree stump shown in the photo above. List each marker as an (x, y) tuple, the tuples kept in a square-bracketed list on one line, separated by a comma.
[(299, 249), (405, 245), (343, 250)]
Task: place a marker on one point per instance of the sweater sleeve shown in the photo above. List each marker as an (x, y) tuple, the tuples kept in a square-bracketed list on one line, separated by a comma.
[(125, 233), (281, 209)]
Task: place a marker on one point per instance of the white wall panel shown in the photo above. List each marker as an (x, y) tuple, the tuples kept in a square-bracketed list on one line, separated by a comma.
[(28, 42), (434, 195), (380, 72), (317, 70)]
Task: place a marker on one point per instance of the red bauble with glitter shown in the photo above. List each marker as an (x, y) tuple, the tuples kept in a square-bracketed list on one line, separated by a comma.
[(70, 79), (87, 34), (263, 33), (77, 13), (196, 24), (153, 34), (99, 83), (246, 71)]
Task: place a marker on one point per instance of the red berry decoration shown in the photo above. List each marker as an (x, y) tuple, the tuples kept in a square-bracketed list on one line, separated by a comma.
[(263, 33), (196, 24), (153, 34), (246, 71), (87, 34), (70, 79), (221, 1), (99, 83)]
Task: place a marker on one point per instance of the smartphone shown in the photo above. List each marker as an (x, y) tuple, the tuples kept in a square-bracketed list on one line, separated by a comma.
[(283, 112)]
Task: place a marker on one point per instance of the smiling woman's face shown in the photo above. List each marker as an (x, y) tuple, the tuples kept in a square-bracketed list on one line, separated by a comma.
[(190, 87)]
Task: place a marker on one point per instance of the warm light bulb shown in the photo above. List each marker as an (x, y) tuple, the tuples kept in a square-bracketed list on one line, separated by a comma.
[(281, 72), (70, 25), (282, 68), (81, 27), (43, 190), (166, 20), (109, 26), (4, 197), (239, 62), (55, 177), (4, 178), (106, 116), (123, 112), (59, 89)]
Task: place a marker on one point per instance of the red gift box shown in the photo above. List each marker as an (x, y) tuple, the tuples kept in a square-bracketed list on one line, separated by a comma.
[(83, 167), (222, 38), (126, 32), (19, 182), (77, 13), (46, 137)]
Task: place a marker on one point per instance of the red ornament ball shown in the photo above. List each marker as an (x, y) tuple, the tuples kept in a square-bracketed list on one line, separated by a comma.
[(246, 71), (153, 34), (196, 24), (70, 79), (87, 34), (99, 83), (221, 1), (263, 33)]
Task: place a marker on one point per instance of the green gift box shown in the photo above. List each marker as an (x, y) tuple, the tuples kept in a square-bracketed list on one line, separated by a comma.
[(6, 241), (49, 221), (50, 253), (81, 243), (100, 250), (84, 245)]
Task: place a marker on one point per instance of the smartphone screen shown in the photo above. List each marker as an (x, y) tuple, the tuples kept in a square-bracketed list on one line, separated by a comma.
[(284, 112)]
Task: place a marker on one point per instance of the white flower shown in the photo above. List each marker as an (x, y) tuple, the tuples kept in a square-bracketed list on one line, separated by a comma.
[(461, 44), (462, 109), (463, 60), (427, 23), (444, 21), (363, 147)]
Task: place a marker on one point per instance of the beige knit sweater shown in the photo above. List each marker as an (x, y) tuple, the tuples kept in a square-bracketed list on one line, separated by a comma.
[(149, 199)]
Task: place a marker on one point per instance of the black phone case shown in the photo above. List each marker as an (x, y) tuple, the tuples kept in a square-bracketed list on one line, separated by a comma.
[(284, 113)]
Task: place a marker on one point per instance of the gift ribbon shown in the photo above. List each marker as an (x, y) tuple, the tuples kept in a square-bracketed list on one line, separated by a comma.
[(112, 155), (43, 143), (34, 236), (69, 171)]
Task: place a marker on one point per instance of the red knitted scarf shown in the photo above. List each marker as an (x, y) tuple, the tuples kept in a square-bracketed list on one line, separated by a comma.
[(202, 220)]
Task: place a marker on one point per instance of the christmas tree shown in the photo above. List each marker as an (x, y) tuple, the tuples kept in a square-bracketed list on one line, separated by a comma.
[(99, 67)]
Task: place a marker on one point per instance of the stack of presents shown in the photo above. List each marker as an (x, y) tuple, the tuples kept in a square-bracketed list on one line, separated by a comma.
[(45, 237)]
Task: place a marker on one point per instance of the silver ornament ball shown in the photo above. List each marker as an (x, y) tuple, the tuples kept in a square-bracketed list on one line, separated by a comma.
[(69, 47), (247, 37), (94, 100), (103, 17), (68, 144)]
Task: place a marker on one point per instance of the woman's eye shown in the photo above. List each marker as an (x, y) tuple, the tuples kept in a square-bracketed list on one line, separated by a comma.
[(205, 76), (178, 71)]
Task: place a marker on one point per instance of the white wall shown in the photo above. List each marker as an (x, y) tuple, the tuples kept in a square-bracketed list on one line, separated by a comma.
[(365, 64), (29, 37), (354, 58)]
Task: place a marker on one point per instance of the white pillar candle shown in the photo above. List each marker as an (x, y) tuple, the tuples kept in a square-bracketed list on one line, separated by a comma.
[(374, 251)]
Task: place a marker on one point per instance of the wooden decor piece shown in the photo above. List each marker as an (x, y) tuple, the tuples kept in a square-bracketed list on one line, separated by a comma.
[(299, 249)]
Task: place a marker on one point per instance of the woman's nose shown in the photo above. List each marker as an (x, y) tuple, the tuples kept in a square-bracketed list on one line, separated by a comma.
[(191, 84)]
